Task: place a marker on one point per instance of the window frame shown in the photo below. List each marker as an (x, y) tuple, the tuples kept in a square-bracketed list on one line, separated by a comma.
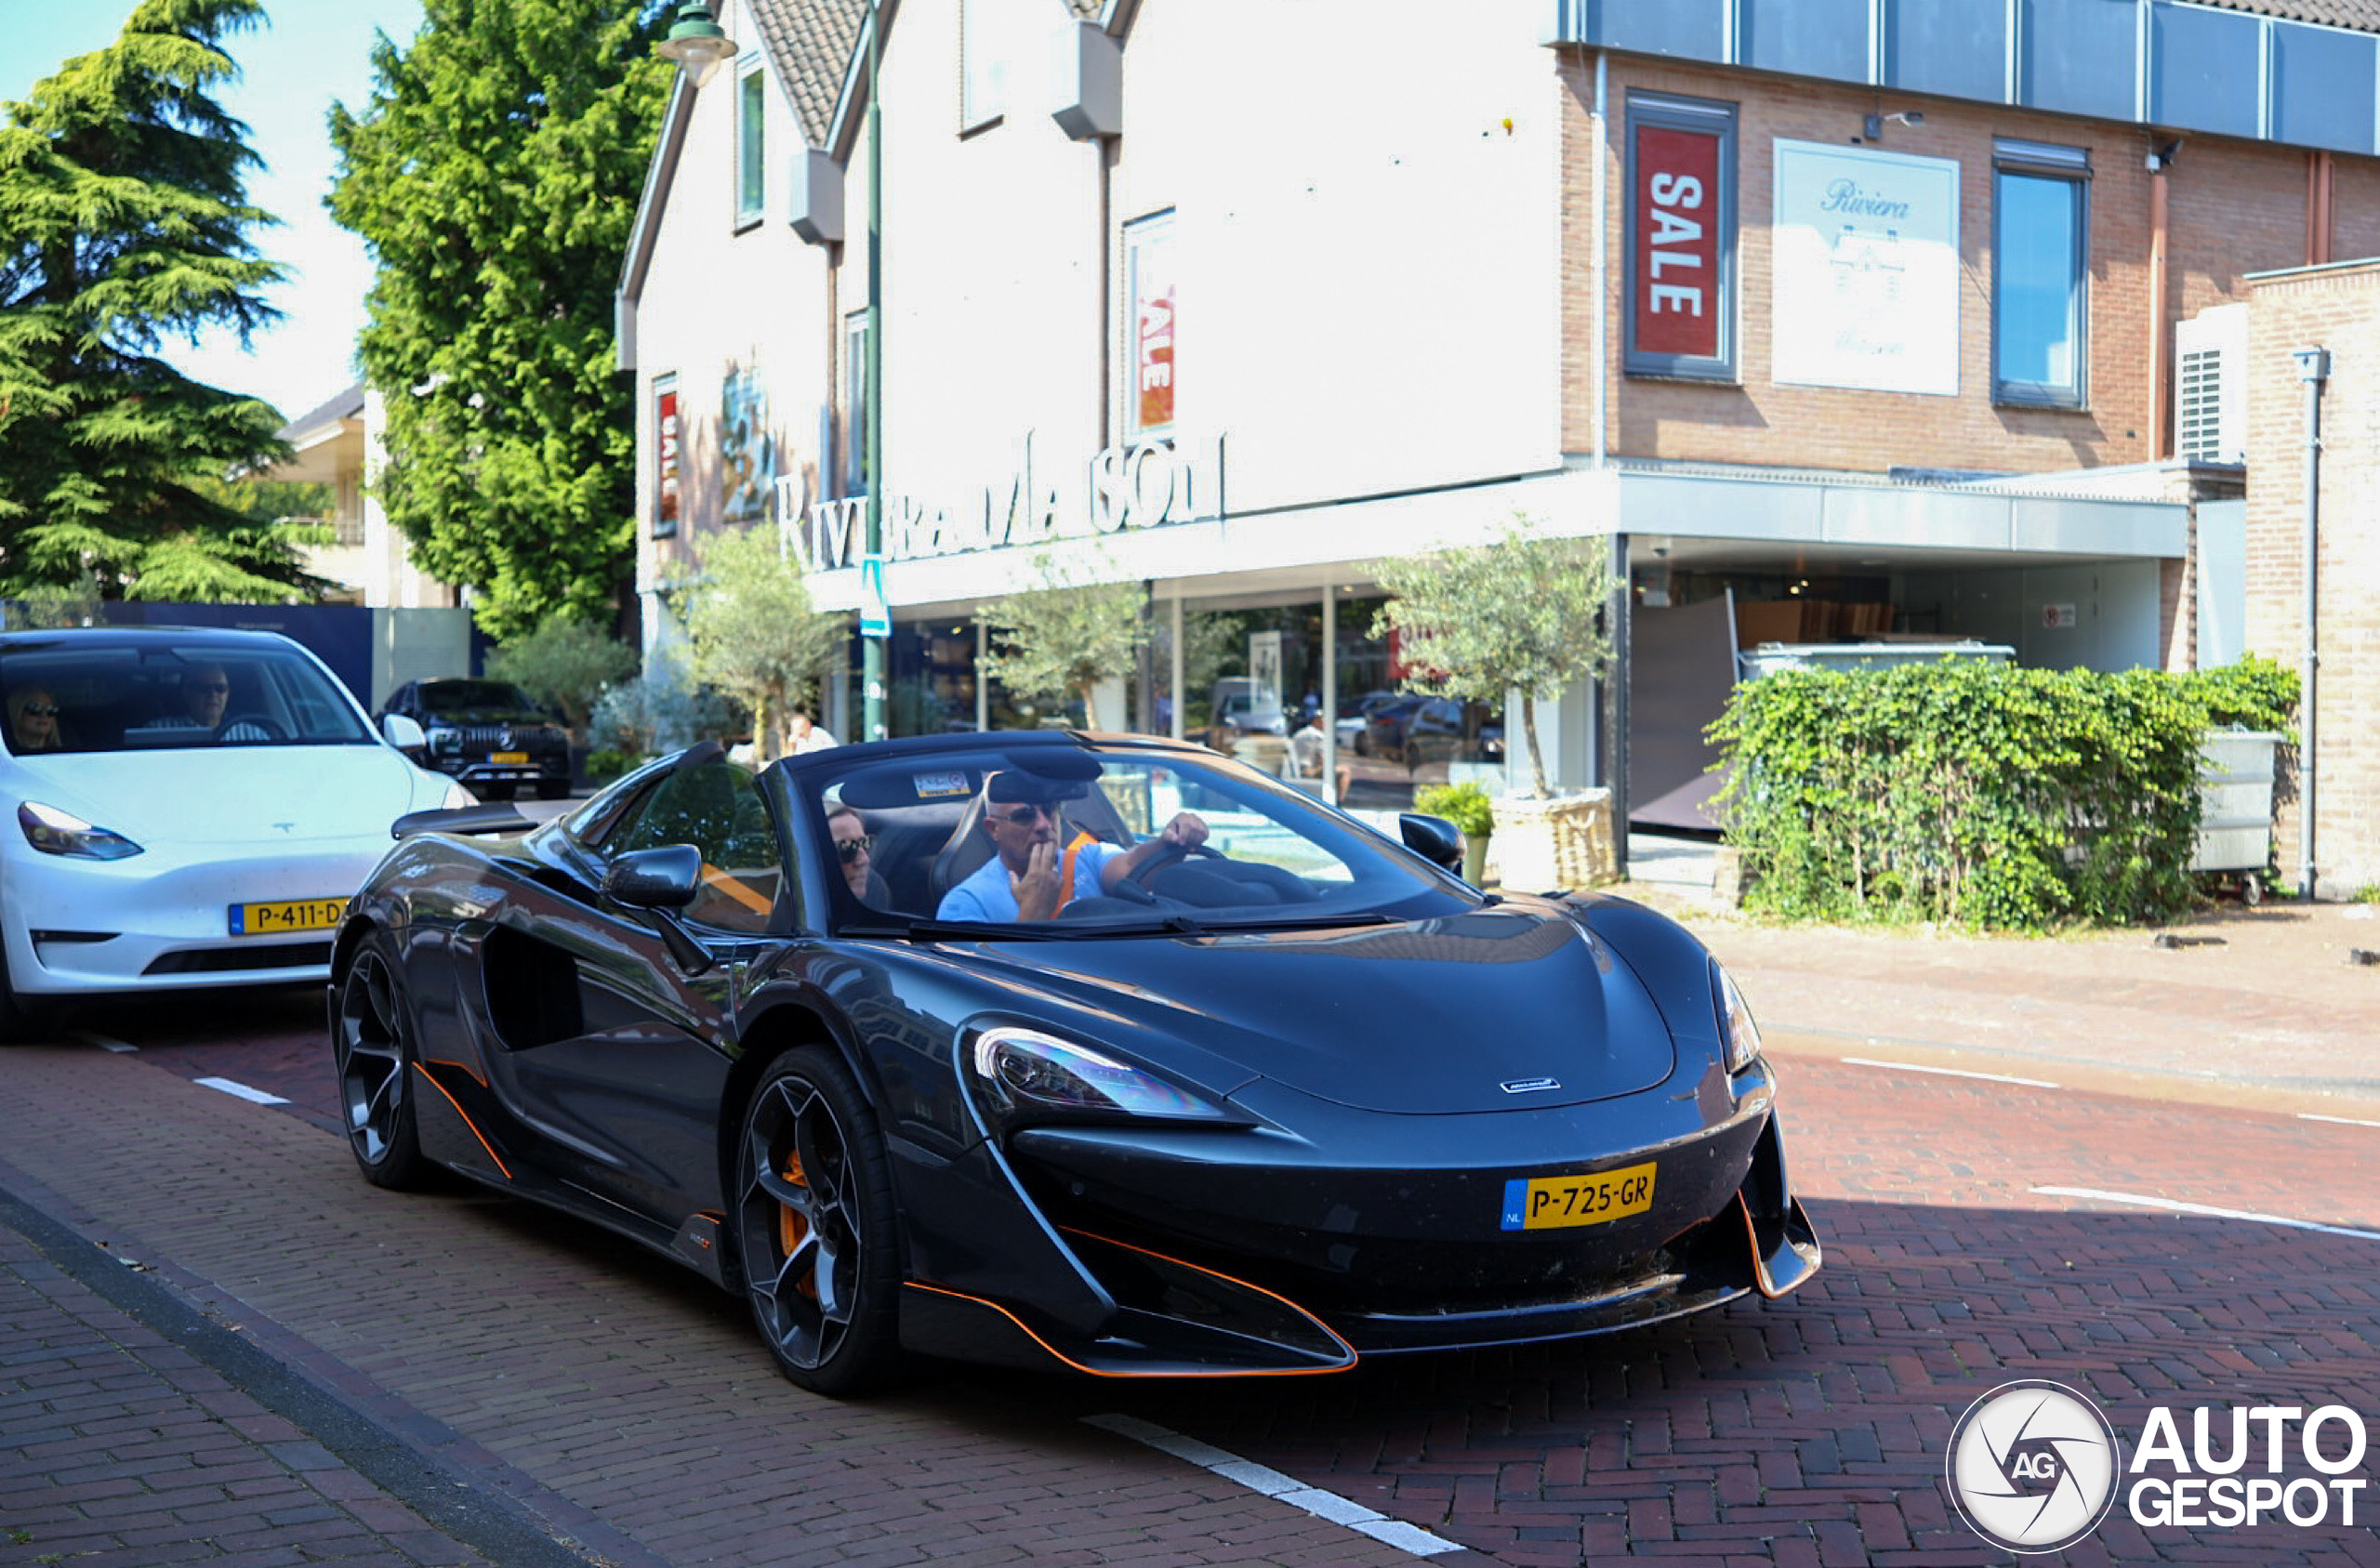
[(982, 69), (852, 473), (751, 142), (2046, 164), (669, 454), (1150, 236), (1665, 112)]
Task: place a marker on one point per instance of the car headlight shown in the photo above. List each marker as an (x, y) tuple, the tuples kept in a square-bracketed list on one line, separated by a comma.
[(457, 797), (54, 832), (445, 740), (1024, 1072), (1735, 1026)]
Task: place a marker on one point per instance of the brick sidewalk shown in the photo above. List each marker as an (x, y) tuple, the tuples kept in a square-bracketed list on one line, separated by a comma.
[(123, 1447)]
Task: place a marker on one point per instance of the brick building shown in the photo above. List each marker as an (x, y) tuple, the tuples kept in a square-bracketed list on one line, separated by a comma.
[(1832, 319)]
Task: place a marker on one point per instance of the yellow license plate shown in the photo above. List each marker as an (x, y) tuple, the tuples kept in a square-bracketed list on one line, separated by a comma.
[(509, 757), (290, 915), (1549, 1202)]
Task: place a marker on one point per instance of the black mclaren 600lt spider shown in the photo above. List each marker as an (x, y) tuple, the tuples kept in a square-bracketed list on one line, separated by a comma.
[(1062, 1051)]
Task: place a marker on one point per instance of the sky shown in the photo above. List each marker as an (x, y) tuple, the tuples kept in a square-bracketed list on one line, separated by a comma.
[(315, 52)]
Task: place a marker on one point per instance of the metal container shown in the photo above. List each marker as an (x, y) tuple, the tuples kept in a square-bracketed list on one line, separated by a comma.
[(2235, 807)]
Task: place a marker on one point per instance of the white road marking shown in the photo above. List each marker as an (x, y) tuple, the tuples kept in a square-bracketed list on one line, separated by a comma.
[(2343, 1121), (241, 1091), (1273, 1483), (102, 1041), (1949, 1072), (2177, 1206)]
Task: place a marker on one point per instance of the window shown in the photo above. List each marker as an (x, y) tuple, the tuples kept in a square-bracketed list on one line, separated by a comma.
[(982, 70), (1680, 318), (751, 152), (665, 454), (716, 808), (1148, 265), (2041, 259), (855, 403)]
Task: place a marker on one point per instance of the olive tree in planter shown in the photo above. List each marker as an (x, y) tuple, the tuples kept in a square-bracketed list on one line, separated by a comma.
[(1523, 613), (1063, 636), (754, 633)]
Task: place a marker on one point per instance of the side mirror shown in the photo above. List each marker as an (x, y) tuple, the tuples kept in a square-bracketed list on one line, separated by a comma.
[(404, 734), (664, 877), (1434, 838)]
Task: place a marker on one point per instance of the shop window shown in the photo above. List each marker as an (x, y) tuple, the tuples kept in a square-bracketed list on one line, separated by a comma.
[(2040, 262), (1681, 246), (751, 148), (1148, 265)]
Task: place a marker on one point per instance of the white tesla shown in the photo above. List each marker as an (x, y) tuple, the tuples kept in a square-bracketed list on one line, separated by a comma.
[(192, 807)]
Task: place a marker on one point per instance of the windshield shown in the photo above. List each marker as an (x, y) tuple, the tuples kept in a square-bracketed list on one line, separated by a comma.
[(463, 696), (1096, 838), (91, 695)]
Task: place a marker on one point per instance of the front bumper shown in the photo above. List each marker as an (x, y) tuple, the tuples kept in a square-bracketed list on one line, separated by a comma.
[(1220, 1253), (153, 922)]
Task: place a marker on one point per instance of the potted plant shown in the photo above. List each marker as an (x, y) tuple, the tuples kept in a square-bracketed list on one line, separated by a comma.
[(1467, 805), (1524, 615)]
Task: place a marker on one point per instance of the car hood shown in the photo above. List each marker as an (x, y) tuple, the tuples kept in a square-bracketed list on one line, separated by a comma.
[(234, 795), (1509, 1007)]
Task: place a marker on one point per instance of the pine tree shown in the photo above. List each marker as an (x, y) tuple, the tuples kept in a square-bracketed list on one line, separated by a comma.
[(124, 225), (493, 177)]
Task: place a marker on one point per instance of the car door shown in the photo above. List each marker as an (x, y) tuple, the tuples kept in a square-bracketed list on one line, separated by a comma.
[(613, 1034)]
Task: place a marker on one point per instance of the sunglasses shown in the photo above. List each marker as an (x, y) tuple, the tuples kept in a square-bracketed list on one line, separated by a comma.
[(852, 848), (1024, 814), (41, 710)]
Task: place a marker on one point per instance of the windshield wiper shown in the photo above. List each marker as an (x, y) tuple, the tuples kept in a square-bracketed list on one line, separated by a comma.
[(948, 931), (1304, 922)]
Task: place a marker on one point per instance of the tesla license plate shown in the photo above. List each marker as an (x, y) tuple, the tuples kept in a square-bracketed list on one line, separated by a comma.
[(290, 915), (1548, 1203)]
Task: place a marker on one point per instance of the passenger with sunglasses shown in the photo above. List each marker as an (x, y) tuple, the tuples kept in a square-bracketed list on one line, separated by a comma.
[(853, 844), (1037, 869), (33, 721)]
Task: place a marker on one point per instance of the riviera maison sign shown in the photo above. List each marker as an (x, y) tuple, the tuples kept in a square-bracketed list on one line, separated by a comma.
[(1144, 485)]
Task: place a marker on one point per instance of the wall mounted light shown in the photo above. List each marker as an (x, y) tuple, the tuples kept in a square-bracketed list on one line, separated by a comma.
[(1873, 126), (2163, 159)]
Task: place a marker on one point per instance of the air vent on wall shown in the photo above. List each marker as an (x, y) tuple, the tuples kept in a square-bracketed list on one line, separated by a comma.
[(2210, 394)]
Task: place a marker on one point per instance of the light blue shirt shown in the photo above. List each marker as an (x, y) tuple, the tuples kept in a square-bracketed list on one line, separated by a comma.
[(986, 895)]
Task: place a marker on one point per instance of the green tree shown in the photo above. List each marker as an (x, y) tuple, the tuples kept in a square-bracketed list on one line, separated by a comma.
[(493, 177), (565, 662), (1523, 612), (1060, 638), (754, 632), (124, 223)]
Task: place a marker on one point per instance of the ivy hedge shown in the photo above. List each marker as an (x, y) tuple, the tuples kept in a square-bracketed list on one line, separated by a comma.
[(1977, 794)]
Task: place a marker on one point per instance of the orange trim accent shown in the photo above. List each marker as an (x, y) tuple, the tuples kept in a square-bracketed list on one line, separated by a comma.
[(1059, 1356), (1217, 1273), (505, 1169), (463, 1067)]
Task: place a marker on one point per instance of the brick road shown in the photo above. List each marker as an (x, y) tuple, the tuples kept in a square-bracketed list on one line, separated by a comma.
[(623, 1406)]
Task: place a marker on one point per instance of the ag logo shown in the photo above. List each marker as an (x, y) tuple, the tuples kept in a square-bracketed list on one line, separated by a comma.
[(2033, 1466)]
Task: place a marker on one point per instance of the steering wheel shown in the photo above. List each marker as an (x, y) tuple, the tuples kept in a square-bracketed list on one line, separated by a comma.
[(272, 731), (1167, 855)]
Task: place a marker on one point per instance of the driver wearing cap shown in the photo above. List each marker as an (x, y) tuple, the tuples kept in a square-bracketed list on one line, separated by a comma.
[(1030, 876)]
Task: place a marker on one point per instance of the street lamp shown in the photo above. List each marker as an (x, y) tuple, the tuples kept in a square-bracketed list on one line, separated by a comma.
[(697, 43)]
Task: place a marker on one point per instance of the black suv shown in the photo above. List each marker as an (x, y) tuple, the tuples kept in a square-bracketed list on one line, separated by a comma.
[(490, 734)]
